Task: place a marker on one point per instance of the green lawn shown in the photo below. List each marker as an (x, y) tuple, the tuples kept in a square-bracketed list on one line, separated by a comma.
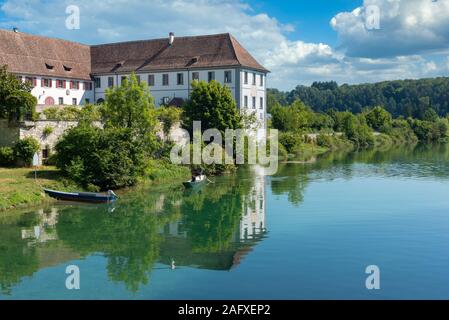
[(19, 188)]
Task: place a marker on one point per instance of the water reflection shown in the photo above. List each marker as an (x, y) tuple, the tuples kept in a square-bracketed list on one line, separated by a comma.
[(214, 228), (209, 229)]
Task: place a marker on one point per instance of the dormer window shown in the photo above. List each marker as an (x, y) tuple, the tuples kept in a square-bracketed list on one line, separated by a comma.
[(66, 68), (49, 66)]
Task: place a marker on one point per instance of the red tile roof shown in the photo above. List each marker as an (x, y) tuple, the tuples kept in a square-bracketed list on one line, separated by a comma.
[(220, 50), (37, 55)]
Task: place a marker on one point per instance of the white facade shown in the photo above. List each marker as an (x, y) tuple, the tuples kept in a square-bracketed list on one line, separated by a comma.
[(61, 91), (178, 86)]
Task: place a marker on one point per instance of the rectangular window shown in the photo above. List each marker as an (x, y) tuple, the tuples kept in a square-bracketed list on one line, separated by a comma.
[(31, 81), (151, 80), (180, 79), (74, 101), (261, 104), (245, 101), (138, 79), (60, 84), (86, 101), (75, 85), (246, 77), (261, 80), (165, 79), (195, 76), (228, 77), (60, 100), (254, 79), (210, 76), (97, 82), (87, 86), (254, 102), (46, 83), (110, 82)]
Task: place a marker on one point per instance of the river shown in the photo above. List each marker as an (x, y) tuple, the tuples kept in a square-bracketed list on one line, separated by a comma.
[(308, 232)]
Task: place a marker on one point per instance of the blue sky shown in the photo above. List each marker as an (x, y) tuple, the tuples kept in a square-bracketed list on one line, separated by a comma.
[(299, 41)]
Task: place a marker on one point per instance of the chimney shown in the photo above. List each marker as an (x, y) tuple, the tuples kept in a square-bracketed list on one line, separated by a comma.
[(16, 30), (171, 38)]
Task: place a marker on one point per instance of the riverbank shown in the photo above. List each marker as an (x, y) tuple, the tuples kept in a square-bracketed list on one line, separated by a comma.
[(22, 187)]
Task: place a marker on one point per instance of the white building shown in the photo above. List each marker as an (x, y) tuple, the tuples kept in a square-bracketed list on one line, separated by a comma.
[(68, 73)]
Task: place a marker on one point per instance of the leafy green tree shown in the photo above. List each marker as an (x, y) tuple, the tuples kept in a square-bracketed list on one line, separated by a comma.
[(430, 115), (16, 100), (100, 159), (378, 118), (25, 149), (213, 105), (295, 117), (130, 106), (168, 116)]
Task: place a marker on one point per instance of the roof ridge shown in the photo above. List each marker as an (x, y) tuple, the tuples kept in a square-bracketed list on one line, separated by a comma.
[(45, 37), (232, 39), (158, 39)]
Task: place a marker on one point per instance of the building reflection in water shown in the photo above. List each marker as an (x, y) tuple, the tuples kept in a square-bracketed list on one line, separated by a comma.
[(45, 230), (212, 230)]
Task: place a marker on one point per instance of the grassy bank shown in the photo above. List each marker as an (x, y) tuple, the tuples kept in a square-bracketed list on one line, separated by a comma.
[(19, 188)]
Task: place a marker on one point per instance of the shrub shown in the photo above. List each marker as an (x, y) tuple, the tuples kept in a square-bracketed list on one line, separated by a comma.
[(168, 116), (378, 118), (290, 140), (333, 142), (6, 156), (25, 149), (106, 159), (48, 130)]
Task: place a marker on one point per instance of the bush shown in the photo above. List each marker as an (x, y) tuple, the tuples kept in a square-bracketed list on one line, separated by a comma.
[(6, 156), (62, 114), (333, 142), (105, 159), (48, 130), (290, 141), (168, 116), (25, 149), (378, 118)]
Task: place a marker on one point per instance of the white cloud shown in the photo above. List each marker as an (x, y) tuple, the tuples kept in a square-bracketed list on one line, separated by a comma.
[(406, 27), (292, 62)]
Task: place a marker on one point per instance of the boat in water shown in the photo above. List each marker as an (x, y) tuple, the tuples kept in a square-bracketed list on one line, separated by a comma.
[(196, 181), (90, 197)]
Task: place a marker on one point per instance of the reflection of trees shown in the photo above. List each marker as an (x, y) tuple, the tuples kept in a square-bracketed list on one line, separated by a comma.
[(212, 216), (17, 258), (292, 180), (128, 237), (405, 161)]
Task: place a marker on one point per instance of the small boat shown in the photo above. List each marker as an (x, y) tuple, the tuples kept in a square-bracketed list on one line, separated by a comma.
[(195, 181), (83, 196)]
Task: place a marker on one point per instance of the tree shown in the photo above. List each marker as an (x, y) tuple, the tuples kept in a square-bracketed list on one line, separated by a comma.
[(378, 118), (100, 158), (130, 106), (213, 105), (16, 100), (295, 117)]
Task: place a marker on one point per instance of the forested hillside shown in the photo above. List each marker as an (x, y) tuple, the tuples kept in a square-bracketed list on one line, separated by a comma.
[(408, 98)]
